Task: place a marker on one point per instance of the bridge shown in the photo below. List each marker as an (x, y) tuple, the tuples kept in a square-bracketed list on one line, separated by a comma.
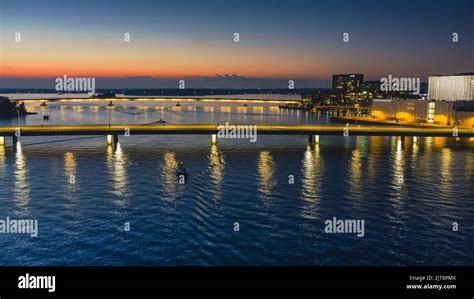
[(183, 99), (312, 131)]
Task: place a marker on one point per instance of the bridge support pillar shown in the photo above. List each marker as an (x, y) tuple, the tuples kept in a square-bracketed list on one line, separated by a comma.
[(14, 140), (2, 140), (313, 139), (402, 140), (214, 138), (110, 140)]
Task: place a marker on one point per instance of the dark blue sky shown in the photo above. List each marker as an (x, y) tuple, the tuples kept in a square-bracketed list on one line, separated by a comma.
[(295, 39)]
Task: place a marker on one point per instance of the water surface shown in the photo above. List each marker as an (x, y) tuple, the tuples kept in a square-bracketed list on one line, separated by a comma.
[(409, 194)]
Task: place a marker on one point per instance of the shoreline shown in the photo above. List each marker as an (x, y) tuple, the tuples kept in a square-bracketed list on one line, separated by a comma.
[(379, 122)]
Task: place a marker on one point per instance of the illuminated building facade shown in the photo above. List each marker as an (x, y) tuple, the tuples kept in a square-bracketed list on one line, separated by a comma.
[(451, 88), (349, 85), (448, 113)]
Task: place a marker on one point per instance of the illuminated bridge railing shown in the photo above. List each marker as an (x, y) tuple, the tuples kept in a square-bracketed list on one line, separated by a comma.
[(278, 129)]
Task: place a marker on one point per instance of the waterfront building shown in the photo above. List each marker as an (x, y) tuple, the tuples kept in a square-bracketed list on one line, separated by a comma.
[(449, 113), (451, 88)]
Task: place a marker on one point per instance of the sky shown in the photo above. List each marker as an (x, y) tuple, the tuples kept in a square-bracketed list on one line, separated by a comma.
[(300, 40)]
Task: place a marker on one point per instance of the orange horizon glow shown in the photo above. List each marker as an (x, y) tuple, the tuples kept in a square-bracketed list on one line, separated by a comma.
[(45, 74), (47, 59), (48, 71)]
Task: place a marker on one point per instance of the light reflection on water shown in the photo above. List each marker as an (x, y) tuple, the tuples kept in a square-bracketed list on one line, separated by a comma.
[(266, 170), (399, 167), (22, 188), (117, 163), (70, 168), (405, 189), (415, 149), (313, 169), (2, 159), (446, 160), (169, 177), (356, 173), (217, 166)]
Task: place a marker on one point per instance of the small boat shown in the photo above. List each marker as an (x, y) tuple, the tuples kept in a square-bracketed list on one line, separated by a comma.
[(45, 117), (178, 104), (245, 105), (160, 121), (182, 170)]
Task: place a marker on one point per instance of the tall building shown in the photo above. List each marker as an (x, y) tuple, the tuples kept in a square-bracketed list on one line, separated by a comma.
[(347, 88), (348, 83), (451, 88), (372, 90), (371, 86)]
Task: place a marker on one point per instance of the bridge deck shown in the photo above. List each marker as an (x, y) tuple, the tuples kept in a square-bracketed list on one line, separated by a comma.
[(47, 130)]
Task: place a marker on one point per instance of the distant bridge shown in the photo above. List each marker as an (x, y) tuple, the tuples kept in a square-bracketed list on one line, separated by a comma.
[(334, 107), (183, 99)]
